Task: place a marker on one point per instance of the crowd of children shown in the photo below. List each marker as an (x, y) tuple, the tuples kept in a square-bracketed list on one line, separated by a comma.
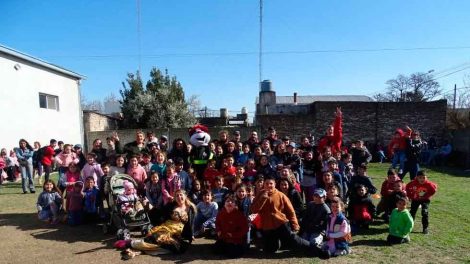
[(270, 192)]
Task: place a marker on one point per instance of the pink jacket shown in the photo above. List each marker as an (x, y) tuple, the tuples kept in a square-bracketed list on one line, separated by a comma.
[(139, 175), (64, 160)]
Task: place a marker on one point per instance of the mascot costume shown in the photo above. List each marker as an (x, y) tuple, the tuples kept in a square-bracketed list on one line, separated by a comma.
[(200, 153)]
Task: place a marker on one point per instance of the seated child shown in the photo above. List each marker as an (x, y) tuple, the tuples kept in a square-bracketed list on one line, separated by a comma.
[(231, 227), (129, 201), (401, 223), (250, 172), (153, 192), (49, 202), (206, 213), (362, 179), (170, 184), (195, 195), (313, 225), (361, 210), (338, 230), (386, 190), (75, 204)]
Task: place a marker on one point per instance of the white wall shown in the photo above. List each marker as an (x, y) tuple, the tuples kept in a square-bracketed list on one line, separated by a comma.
[(21, 116)]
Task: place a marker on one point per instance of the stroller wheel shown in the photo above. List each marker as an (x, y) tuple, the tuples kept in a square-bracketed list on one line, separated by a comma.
[(127, 234)]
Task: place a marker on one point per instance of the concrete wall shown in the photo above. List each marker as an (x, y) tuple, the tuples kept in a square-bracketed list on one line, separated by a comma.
[(370, 121), (19, 104), (461, 145)]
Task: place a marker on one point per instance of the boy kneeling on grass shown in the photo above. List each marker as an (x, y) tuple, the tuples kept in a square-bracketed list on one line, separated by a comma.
[(401, 223)]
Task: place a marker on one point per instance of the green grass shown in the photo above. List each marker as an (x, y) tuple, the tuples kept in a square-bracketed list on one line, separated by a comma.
[(448, 241)]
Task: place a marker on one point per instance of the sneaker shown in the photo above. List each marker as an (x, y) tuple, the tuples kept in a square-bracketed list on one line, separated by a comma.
[(25, 192), (425, 231), (32, 191)]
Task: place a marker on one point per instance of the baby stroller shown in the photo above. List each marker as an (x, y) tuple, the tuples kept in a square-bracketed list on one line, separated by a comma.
[(118, 221)]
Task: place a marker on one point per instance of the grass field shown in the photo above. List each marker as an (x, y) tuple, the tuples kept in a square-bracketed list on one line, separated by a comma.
[(25, 240)]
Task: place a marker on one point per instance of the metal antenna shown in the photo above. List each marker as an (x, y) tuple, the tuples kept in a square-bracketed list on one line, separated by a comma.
[(139, 36), (260, 63)]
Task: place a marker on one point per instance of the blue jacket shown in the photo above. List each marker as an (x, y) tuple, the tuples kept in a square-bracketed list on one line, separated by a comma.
[(46, 198)]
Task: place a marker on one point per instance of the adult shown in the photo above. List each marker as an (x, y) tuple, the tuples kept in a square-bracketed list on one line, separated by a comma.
[(99, 151), (272, 137), (25, 158), (236, 137), (48, 158), (136, 147), (293, 161), (151, 140), (163, 144), (253, 141), (279, 157), (278, 220), (179, 150), (176, 233), (334, 134)]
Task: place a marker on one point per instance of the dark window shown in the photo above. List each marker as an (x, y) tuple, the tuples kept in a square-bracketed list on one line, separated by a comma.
[(49, 101)]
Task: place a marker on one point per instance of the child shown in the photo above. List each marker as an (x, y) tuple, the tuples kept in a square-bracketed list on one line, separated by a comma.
[(397, 148), (398, 192), (420, 191), (128, 201), (309, 181), (71, 177), (75, 204), (63, 160), (219, 191), (231, 227), (346, 168), (195, 195), (146, 164), (386, 190), (160, 164), (328, 180), (286, 187), (360, 154), (243, 201), (91, 200), (259, 185), (401, 224), (49, 202), (245, 155), (361, 209), (313, 224), (338, 230), (362, 179), (92, 169), (333, 169), (240, 170), (228, 170), (210, 173), (154, 196), (206, 213), (186, 181), (120, 166), (250, 172), (170, 184), (332, 191), (137, 173)]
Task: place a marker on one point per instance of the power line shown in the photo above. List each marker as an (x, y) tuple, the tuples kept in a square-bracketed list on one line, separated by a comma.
[(250, 53)]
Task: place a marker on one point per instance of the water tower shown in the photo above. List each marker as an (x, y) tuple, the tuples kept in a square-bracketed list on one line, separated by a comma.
[(267, 97)]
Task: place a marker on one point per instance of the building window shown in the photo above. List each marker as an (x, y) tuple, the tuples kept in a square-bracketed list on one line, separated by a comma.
[(49, 101)]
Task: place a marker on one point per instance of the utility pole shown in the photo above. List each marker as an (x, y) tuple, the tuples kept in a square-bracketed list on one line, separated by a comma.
[(260, 63), (139, 37), (455, 95)]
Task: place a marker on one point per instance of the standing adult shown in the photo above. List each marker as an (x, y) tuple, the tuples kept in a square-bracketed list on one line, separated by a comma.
[(48, 158), (25, 158), (136, 147), (272, 137), (253, 141), (334, 134), (99, 151)]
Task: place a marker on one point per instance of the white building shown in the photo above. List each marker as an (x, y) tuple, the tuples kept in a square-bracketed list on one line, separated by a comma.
[(38, 101)]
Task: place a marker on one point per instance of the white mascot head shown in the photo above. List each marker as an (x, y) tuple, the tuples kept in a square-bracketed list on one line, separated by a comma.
[(199, 136)]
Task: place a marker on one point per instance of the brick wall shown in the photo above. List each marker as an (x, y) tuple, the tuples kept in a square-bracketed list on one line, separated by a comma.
[(369, 121)]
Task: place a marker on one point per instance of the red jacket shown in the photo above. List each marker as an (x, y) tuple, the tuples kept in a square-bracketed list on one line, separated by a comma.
[(399, 143), (234, 223), (48, 154), (420, 192), (387, 187), (333, 141)]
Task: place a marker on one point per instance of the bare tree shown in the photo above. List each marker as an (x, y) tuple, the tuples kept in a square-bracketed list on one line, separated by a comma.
[(418, 87), (460, 116)]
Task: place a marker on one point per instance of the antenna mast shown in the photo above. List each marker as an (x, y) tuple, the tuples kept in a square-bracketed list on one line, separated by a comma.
[(139, 36), (260, 63)]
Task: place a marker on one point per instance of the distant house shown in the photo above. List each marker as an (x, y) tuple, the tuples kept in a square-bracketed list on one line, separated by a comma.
[(38, 100), (268, 103)]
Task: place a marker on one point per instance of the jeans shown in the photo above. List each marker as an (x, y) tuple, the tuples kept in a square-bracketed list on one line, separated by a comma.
[(399, 158), (424, 211), (201, 221), (27, 177)]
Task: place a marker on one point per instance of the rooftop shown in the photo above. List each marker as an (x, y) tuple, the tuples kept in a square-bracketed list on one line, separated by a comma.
[(31, 59)]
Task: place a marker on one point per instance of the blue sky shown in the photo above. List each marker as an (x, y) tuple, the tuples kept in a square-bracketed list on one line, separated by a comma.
[(212, 46)]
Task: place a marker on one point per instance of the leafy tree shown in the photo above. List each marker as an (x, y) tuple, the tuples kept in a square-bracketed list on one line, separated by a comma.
[(418, 87), (160, 105)]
